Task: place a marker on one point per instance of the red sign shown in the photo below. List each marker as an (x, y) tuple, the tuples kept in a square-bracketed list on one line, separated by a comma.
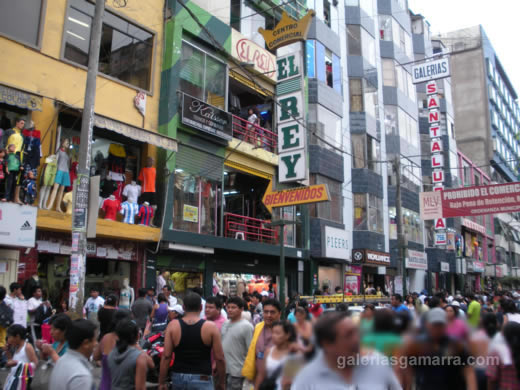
[(251, 53), (481, 200)]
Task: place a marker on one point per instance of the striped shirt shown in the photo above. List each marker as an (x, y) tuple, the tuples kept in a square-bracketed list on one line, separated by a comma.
[(146, 214), (129, 211)]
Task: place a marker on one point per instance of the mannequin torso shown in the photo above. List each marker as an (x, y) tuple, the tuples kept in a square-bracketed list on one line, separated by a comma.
[(126, 295)]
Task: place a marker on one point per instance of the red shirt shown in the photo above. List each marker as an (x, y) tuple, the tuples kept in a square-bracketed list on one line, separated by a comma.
[(110, 208)]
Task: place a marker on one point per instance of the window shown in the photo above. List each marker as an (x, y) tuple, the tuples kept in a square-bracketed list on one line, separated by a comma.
[(21, 20), (360, 43), (328, 66), (332, 210), (326, 12), (389, 73), (358, 151), (323, 64), (202, 76), (411, 224), (356, 95), (320, 62), (390, 120), (368, 213), (311, 58), (328, 126), (366, 152), (385, 27), (354, 40), (126, 50)]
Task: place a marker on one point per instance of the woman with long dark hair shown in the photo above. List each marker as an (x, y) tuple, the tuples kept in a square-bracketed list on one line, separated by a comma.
[(479, 346), (128, 364), (504, 372)]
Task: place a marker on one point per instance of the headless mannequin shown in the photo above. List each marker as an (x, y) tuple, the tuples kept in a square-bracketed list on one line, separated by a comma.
[(107, 212), (132, 192), (126, 295), (45, 189), (67, 200), (63, 159)]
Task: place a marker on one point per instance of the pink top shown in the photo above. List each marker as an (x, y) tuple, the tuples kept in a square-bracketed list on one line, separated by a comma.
[(457, 329), (219, 322)]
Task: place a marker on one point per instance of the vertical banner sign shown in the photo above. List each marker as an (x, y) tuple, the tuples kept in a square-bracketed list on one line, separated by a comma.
[(292, 136)]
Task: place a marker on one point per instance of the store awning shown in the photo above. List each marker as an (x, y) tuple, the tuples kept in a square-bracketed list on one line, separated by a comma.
[(20, 99), (135, 133)]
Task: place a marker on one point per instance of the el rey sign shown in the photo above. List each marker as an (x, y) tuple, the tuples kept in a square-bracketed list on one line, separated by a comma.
[(292, 137), (247, 51)]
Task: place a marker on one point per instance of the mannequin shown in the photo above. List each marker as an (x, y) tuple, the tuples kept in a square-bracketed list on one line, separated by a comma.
[(15, 137), (67, 200), (110, 207), (62, 178), (129, 211), (146, 214), (147, 178), (126, 295), (47, 179), (132, 192)]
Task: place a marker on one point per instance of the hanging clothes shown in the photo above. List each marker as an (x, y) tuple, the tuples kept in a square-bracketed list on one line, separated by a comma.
[(116, 158), (31, 148), (73, 173)]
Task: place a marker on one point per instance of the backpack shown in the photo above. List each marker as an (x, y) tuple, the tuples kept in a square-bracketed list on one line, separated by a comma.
[(6, 315)]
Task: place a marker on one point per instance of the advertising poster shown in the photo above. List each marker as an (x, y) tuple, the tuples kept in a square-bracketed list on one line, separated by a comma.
[(190, 213), (352, 279)]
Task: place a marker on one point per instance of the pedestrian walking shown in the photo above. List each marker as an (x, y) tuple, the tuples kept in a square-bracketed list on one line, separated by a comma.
[(128, 364), (237, 334), (105, 315), (72, 371), (192, 339), (506, 374), (19, 352), (142, 309), (59, 326), (213, 311)]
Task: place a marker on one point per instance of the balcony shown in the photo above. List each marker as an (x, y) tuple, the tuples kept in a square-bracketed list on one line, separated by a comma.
[(241, 227), (255, 135)]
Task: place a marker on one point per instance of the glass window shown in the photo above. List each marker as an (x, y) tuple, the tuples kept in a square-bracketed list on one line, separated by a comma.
[(328, 126), (385, 27), (395, 32), (391, 120), (367, 6), (375, 214), (368, 47), (388, 73), (202, 76), (311, 58), (328, 67), (358, 151), (320, 62), (250, 21), (360, 212), (370, 99), (332, 210), (356, 95), (126, 50), (354, 40), (326, 12), (374, 154), (21, 20), (336, 73), (352, 3)]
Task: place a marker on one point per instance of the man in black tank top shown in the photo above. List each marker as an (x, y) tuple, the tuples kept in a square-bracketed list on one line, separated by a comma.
[(192, 339)]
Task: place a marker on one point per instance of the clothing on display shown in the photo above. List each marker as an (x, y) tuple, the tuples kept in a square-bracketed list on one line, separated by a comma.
[(29, 190), (15, 137), (110, 207), (129, 211), (32, 148), (147, 177), (62, 175), (73, 174), (146, 214), (132, 191), (49, 171)]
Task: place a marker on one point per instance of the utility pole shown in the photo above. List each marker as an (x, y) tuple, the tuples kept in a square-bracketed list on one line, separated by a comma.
[(398, 216), (80, 206)]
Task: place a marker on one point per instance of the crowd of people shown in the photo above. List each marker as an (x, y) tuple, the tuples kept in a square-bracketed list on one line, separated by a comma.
[(420, 342)]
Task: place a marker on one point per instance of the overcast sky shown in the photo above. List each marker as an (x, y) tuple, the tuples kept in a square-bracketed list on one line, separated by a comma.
[(500, 19)]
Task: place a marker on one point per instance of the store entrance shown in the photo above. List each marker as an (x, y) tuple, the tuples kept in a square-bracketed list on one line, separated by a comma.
[(230, 284)]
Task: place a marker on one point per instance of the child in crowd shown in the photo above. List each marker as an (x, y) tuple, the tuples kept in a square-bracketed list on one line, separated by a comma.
[(3, 174), (13, 167)]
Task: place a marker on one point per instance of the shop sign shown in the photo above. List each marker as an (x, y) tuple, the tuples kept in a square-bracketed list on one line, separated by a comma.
[(431, 205), (445, 267), (398, 284), (206, 118), (440, 238), (295, 196), (287, 31), (119, 250), (247, 51), (292, 134), (352, 279), (17, 225), (20, 99), (370, 257), (336, 243), (479, 266), (469, 265), (431, 70), (499, 271), (472, 225), (450, 245), (477, 200), (190, 213), (417, 260)]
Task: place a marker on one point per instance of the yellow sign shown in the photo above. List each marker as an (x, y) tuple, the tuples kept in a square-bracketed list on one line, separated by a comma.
[(294, 196), (190, 213), (338, 298), (287, 31)]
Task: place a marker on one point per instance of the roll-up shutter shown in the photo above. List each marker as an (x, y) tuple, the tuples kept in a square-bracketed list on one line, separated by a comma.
[(199, 163)]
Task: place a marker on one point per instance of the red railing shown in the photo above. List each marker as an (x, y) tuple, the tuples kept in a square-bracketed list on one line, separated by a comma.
[(250, 229), (254, 134)]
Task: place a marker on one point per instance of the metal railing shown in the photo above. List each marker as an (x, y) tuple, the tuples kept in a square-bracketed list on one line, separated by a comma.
[(255, 135), (241, 227)]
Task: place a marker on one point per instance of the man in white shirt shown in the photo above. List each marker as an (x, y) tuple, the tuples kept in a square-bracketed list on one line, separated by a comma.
[(34, 303), (16, 301), (167, 291), (93, 304), (160, 282)]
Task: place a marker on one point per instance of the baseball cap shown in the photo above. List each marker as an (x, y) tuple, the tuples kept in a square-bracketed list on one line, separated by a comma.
[(436, 316), (455, 303), (176, 308), (264, 294)]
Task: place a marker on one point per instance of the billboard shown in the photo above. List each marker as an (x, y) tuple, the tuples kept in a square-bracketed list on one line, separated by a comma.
[(431, 70)]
